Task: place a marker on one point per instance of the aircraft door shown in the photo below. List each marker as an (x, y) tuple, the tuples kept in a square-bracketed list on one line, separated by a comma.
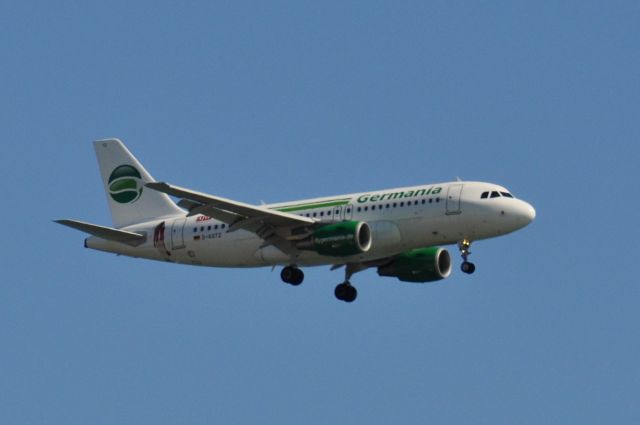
[(348, 212), (342, 213), (177, 233), (337, 213), (453, 199)]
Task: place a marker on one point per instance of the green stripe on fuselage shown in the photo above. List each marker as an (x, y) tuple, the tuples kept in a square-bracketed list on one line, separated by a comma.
[(325, 204)]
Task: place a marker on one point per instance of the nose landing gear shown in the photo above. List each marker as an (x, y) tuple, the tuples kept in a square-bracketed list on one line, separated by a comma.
[(466, 266)]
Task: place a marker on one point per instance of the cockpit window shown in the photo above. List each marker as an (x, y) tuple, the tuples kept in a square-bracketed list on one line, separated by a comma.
[(495, 194)]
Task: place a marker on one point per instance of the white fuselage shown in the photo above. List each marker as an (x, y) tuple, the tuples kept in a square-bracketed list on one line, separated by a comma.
[(400, 219)]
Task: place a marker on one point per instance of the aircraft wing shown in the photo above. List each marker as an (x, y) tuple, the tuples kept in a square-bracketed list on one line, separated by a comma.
[(275, 227)]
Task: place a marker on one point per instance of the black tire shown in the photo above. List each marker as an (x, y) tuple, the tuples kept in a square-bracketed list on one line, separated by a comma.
[(297, 278), (340, 291), (287, 274), (468, 267), (351, 294)]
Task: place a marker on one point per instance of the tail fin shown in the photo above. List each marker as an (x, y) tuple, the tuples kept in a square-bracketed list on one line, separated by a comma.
[(124, 179)]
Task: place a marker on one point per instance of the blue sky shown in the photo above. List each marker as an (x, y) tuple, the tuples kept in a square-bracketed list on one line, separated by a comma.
[(274, 101)]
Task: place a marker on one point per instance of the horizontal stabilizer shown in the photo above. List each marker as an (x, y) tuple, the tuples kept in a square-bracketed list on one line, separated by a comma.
[(108, 233)]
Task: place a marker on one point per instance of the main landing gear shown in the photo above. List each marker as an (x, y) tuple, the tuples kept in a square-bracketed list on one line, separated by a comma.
[(345, 291), (466, 266), (292, 275)]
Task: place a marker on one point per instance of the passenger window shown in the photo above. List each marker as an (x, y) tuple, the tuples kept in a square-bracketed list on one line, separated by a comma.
[(208, 228), (431, 200), (495, 194), (484, 195), (423, 202), (195, 229), (321, 213), (348, 210), (314, 214), (402, 204), (395, 204), (366, 208), (223, 226), (388, 205), (438, 199), (373, 207)]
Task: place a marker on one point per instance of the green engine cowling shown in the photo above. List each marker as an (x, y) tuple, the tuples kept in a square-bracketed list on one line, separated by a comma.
[(419, 265), (340, 239)]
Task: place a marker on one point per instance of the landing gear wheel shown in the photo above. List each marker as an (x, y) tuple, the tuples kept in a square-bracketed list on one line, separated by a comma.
[(298, 277), (352, 294), (292, 275), (345, 292), (286, 274), (468, 267)]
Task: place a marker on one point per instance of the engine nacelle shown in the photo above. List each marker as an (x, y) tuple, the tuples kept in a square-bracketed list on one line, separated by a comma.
[(419, 265), (340, 239)]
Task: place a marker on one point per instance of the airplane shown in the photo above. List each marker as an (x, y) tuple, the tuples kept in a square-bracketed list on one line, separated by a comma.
[(400, 232)]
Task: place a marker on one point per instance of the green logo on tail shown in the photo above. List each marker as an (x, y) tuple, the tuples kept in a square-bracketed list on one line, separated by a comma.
[(125, 184)]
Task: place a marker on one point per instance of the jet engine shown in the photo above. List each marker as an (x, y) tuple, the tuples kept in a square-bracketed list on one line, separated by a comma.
[(339, 239), (419, 265)]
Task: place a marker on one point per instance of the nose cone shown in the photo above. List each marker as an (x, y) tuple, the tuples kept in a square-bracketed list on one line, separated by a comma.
[(526, 213), (531, 213)]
